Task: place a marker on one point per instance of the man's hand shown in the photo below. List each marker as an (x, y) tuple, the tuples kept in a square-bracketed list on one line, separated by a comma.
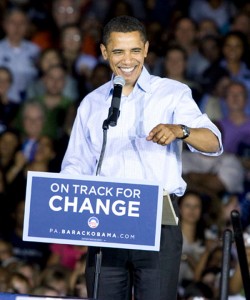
[(202, 139), (164, 134)]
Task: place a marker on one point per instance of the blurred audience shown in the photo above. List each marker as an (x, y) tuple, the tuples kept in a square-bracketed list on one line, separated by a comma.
[(100, 74), (18, 284), (221, 11), (44, 156), (175, 67), (7, 258), (76, 61), (213, 100), (18, 54), (32, 252), (77, 278), (193, 231), (241, 22), (10, 167), (185, 34), (43, 290), (235, 281), (79, 65), (235, 51), (54, 103), (213, 176), (235, 126), (4, 275), (207, 27), (8, 108), (57, 278), (65, 255), (50, 58), (30, 270)]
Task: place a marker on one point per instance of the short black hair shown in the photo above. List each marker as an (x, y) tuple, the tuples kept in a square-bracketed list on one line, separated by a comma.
[(123, 24)]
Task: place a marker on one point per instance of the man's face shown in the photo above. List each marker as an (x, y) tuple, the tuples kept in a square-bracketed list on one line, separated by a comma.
[(65, 12), (236, 98), (16, 26), (33, 122), (54, 81), (126, 53)]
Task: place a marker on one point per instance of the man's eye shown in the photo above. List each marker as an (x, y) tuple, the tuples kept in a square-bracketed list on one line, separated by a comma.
[(117, 52)]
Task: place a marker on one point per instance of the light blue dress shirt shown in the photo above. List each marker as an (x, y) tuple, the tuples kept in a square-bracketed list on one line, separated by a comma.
[(128, 154)]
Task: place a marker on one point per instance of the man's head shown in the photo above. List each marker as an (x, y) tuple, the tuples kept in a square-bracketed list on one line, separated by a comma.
[(15, 25), (65, 12), (123, 24), (236, 97), (125, 46), (33, 118), (54, 80), (71, 39)]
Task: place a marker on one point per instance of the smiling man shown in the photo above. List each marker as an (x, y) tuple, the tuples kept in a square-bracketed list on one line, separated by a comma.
[(157, 115)]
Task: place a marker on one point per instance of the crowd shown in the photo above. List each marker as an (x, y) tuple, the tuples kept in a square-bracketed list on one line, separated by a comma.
[(50, 59)]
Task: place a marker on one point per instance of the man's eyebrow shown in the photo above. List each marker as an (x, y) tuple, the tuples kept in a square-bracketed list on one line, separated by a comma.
[(136, 48)]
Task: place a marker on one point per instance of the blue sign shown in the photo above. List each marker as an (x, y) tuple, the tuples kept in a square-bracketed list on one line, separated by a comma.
[(92, 211)]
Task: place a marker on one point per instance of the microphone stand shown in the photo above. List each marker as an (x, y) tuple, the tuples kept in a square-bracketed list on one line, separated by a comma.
[(111, 120)]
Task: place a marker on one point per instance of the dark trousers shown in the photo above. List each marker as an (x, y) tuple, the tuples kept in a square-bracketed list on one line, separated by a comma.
[(151, 274)]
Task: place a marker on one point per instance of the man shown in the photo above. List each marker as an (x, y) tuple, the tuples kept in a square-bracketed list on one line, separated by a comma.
[(145, 144)]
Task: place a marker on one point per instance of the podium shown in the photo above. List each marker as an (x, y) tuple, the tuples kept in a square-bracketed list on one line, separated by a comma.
[(95, 211)]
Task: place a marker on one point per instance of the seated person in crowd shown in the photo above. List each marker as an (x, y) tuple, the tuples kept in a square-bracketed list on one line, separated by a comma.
[(213, 176), (18, 54), (235, 126), (54, 103), (8, 108), (48, 58), (193, 231)]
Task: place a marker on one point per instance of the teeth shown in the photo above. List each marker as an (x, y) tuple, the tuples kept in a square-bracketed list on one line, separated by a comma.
[(127, 70)]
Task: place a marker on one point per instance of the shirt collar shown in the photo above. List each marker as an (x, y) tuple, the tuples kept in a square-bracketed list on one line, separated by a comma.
[(143, 83), (144, 80)]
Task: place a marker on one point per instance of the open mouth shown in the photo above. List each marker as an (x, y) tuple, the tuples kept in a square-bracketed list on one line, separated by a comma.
[(127, 70)]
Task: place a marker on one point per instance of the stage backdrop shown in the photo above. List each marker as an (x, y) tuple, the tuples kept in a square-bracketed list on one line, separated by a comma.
[(93, 211)]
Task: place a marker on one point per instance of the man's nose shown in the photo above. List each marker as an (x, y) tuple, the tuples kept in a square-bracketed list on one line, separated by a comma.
[(127, 57)]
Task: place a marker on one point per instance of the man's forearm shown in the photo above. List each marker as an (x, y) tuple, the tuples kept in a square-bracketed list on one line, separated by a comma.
[(203, 140)]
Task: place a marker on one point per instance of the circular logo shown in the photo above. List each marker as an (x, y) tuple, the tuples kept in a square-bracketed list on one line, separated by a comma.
[(93, 222)]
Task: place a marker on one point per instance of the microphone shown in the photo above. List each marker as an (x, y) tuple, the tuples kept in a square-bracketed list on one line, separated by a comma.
[(114, 110)]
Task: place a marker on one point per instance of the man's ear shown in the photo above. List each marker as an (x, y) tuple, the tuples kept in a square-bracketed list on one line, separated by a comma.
[(104, 52)]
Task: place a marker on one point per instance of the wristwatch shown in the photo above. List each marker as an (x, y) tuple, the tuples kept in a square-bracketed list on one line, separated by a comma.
[(186, 131)]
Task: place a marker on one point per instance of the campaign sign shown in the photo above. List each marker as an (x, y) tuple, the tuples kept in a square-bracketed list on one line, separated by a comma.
[(92, 211)]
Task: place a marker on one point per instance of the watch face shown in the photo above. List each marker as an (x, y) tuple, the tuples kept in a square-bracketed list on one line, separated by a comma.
[(186, 131)]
